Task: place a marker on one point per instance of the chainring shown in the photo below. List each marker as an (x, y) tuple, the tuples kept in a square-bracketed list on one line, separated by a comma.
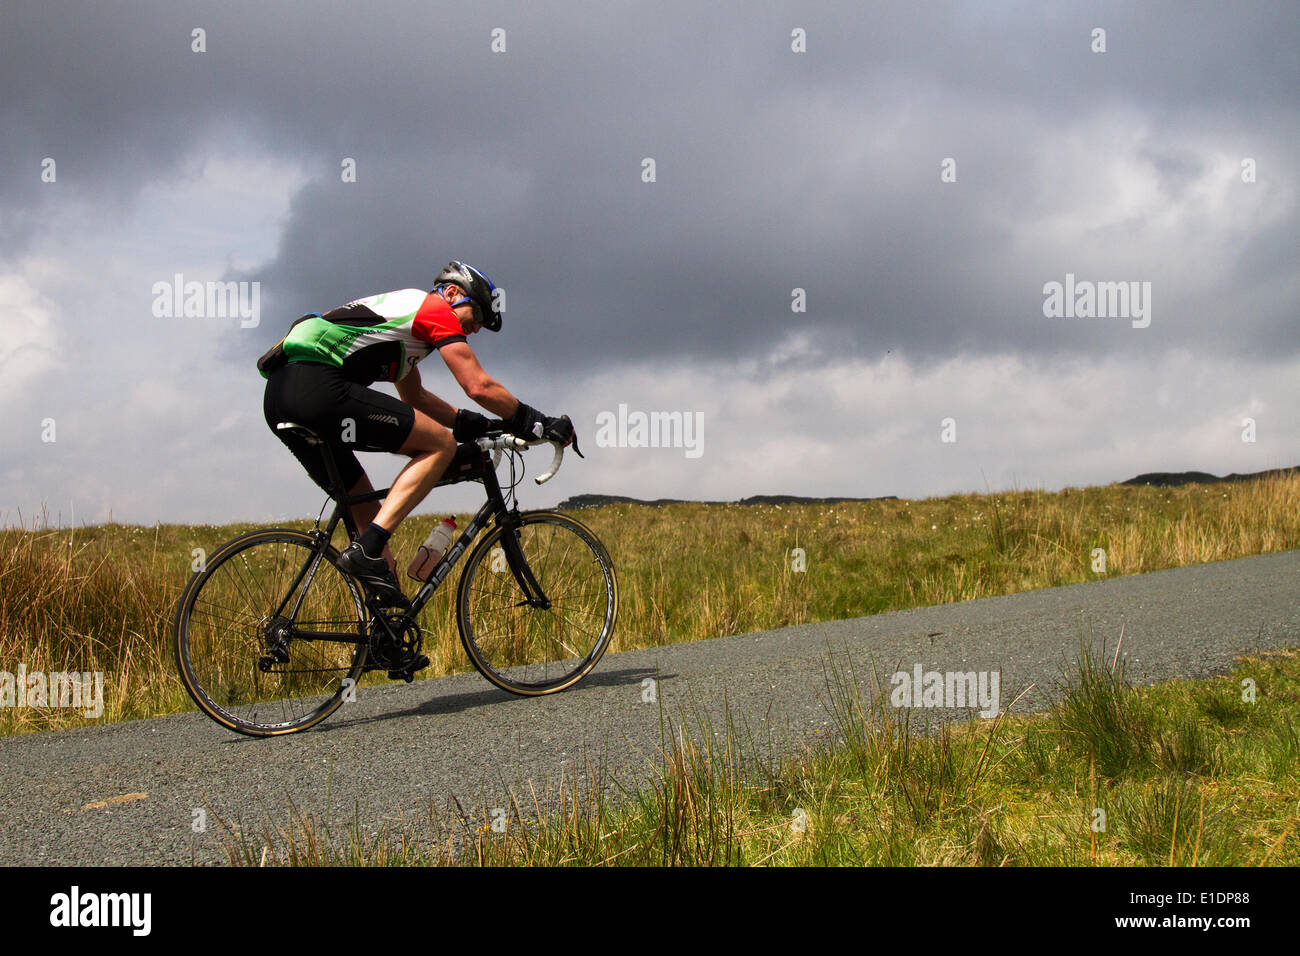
[(395, 641)]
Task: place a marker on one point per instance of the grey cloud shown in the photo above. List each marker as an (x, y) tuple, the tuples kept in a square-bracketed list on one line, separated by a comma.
[(775, 170)]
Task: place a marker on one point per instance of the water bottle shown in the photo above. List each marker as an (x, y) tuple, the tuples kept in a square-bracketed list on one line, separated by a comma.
[(426, 559)]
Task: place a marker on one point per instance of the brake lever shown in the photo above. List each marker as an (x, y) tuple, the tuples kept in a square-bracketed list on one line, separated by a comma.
[(573, 436)]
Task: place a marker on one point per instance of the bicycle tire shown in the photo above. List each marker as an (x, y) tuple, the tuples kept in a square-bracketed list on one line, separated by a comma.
[(221, 633), (533, 651)]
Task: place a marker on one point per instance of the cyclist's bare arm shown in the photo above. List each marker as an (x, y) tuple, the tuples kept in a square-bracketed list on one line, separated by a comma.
[(413, 392), (478, 384)]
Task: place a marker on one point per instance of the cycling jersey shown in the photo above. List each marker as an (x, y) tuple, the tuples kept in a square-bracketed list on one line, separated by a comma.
[(378, 338)]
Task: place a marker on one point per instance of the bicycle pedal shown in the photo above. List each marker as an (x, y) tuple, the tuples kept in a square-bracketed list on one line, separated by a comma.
[(407, 673)]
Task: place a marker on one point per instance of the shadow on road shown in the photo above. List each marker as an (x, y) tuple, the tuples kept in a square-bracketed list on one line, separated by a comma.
[(488, 696)]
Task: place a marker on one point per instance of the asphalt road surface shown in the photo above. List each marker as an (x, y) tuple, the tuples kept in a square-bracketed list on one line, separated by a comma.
[(128, 793)]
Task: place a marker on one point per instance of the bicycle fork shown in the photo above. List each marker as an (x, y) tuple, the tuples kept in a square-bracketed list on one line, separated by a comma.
[(534, 596)]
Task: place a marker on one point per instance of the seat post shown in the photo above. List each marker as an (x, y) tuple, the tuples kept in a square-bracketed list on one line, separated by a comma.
[(339, 493)]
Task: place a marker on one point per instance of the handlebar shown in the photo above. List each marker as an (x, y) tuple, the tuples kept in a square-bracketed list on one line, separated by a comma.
[(513, 443)]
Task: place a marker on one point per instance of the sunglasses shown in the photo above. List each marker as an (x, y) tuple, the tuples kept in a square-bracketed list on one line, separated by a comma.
[(474, 306)]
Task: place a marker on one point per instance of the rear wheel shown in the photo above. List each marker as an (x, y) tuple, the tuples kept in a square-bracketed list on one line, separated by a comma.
[(241, 629), (531, 644)]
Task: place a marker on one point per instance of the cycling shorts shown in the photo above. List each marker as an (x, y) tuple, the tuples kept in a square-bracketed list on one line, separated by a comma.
[(349, 416)]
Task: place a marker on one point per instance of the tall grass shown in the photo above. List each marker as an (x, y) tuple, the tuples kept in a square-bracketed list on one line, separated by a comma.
[(102, 598), (68, 603)]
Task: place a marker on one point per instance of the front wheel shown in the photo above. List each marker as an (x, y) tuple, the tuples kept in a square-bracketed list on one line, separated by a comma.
[(537, 643)]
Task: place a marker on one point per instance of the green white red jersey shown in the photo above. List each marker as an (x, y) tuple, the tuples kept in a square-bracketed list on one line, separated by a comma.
[(376, 339)]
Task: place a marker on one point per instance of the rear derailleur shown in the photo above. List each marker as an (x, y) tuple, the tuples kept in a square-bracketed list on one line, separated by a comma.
[(277, 632), (395, 646)]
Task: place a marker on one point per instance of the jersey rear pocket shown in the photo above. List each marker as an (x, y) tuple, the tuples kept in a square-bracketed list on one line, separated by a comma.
[(274, 357)]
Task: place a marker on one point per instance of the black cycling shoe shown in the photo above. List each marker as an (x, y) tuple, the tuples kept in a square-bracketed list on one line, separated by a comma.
[(374, 574)]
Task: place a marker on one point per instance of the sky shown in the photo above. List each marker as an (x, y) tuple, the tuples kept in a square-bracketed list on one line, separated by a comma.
[(824, 234)]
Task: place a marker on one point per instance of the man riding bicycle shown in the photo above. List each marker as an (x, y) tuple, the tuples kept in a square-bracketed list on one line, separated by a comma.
[(319, 374)]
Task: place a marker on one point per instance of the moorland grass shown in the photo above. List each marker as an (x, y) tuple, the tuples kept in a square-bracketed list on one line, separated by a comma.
[(102, 598)]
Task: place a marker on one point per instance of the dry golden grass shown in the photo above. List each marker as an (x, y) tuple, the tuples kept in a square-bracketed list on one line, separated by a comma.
[(102, 598)]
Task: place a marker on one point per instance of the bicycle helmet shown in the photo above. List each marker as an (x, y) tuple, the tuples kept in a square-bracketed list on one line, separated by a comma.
[(479, 292)]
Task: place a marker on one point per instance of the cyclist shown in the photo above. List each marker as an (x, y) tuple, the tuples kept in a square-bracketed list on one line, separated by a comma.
[(318, 376)]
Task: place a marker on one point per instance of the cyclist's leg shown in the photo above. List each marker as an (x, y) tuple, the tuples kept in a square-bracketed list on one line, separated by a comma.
[(320, 398), (431, 448), (385, 423), (365, 512)]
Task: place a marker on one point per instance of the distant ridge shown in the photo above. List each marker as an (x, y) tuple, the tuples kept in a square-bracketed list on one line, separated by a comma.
[(1168, 479), (1160, 479), (595, 501)]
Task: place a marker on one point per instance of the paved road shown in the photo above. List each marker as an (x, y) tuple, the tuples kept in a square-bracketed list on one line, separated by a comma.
[(126, 793)]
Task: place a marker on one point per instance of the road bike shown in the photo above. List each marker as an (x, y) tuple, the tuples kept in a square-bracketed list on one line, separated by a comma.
[(271, 636)]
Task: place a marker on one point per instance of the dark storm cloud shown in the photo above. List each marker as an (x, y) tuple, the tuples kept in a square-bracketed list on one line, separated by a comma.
[(775, 170)]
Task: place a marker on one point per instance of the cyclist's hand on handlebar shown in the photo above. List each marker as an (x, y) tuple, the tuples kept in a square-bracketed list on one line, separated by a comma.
[(526, 423), (561, 430), (558, 429), (470, 425), (531, 425)]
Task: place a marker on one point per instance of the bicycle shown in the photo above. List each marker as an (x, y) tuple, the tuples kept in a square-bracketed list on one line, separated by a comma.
[(271, 636)]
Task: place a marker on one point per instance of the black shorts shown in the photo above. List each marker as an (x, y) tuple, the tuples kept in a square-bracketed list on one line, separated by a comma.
[(348, 415)]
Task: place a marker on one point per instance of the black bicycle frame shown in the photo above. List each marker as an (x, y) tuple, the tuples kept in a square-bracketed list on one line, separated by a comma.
[(493, 508)]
